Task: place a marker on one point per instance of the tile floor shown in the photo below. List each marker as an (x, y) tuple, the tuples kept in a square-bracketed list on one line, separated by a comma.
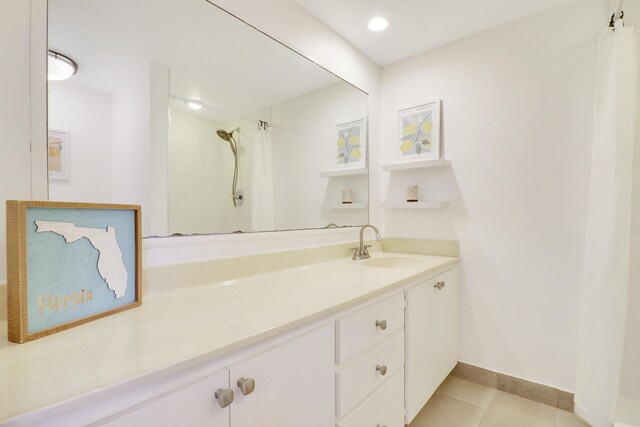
[(461, 403)]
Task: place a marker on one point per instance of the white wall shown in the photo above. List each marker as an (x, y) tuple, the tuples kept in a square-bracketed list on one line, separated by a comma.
[(191, 140), (159, 150), (630, 379), (15, 156), (517, 114), (135, 122), (131, 135), (86, 115), (304, 138)]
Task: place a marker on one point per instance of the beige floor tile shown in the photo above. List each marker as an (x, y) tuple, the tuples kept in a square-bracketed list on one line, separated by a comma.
[(443, 411), (467, 392), (567, 419), (506, 410)]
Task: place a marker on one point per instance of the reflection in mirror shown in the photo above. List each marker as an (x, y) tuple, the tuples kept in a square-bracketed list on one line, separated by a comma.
[(207, 123)]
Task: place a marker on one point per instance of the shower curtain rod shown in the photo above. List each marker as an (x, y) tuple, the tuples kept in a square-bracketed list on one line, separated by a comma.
[(262, 124)]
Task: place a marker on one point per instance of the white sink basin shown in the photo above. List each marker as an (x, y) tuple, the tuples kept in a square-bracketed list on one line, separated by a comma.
[(390, 262)]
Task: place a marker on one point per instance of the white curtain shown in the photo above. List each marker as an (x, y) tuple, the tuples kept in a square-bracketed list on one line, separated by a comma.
[(262, 182), (606, 268)]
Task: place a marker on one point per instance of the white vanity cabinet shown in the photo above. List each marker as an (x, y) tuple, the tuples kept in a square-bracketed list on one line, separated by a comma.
[(373, 363), (193, 405), (431, 338), (289, 385)]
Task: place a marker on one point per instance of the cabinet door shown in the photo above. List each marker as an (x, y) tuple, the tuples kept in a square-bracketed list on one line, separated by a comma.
[(431, 338), (194, 405), (294, 384)]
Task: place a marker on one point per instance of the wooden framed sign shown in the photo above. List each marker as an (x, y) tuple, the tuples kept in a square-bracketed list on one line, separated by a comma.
[(70, 263)]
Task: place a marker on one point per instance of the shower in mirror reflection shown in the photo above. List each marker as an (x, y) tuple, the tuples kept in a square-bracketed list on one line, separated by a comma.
[(262, 199), (237, 196)]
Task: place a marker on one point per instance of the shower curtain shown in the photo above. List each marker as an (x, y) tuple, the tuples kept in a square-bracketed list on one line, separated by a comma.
[(262, 181), (606, 264)]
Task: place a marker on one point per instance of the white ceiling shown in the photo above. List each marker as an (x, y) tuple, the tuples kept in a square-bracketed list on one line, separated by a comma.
[(212, 56), (416, 26)]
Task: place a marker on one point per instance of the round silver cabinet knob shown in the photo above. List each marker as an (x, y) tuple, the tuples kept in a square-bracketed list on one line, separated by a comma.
[(246, 385), (382, 369), (224, 397), (382, 324)]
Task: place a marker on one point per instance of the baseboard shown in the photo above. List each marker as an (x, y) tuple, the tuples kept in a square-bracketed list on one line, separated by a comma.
[(529, 390)]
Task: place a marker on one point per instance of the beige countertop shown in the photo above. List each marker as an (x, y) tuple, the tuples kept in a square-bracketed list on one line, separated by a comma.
[(187, 325)]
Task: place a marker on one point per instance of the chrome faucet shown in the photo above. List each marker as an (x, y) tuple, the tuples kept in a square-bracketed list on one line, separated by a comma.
[(362, 251)]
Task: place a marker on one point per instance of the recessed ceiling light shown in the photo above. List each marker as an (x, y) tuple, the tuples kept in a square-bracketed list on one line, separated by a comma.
[(60, 67), (194, 105), (378, 24)]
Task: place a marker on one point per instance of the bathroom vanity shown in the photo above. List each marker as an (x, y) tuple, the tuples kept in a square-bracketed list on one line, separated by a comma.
[(338, 342)]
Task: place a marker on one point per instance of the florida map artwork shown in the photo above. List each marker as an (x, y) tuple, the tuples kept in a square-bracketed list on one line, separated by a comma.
[(81, 262)]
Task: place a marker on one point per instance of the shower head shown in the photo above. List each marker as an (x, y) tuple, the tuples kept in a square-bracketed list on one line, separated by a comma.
[(226, 136), (223, 134)]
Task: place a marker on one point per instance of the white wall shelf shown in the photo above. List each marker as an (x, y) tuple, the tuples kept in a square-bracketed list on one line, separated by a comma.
[(416, 205), (419, 164), (337, 206), (344, 172)]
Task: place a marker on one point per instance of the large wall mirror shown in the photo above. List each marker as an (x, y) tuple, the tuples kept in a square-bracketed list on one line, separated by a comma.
[(210, 125)]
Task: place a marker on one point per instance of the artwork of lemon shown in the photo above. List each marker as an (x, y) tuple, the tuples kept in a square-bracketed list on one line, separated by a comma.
[(349, 145), (416, 133), (54, 151)]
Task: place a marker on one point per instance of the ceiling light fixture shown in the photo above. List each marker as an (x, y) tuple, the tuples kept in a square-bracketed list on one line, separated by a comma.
[(378, 24), (60, 67), (195, 105)]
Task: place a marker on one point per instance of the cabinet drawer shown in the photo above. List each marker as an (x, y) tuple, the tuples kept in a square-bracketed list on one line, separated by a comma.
[(359, 378), (384, 408), (358, 330)]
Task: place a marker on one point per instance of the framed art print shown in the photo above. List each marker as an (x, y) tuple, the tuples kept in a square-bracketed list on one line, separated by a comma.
[(58, 154), (419, 132), (69, 263), (352, 144)]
